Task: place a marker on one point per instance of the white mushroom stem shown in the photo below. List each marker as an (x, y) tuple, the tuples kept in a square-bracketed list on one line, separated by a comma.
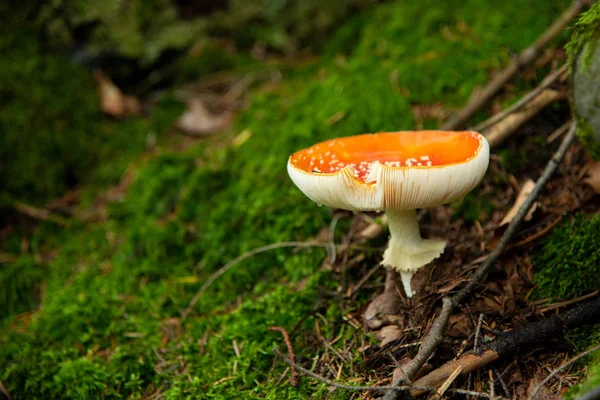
[(407, 251)]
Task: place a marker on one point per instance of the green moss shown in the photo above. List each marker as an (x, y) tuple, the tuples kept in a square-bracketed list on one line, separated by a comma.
[(567, 264), (580, 52), (591, 382), (451, 49), (586, 134), (584, 37), (54, 135)]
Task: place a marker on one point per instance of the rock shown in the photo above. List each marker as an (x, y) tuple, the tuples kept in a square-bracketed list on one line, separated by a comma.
[(584, 60)]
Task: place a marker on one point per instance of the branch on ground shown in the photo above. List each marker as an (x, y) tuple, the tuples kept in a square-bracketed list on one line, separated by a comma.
[(513, 343), (525, 58)]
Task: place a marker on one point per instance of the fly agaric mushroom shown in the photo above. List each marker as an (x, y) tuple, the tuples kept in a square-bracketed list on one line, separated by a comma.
[(397, 172)]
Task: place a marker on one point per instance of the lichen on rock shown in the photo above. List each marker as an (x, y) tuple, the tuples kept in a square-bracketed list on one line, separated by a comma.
[(584, 63)]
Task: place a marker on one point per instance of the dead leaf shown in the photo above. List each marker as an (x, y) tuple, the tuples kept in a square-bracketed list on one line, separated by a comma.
[(458, 326), (543, 392), (374, 229), (593, 176), (526, 190), (388, 334), (452, 285), (386, 303), (112, 100), (197, 120)]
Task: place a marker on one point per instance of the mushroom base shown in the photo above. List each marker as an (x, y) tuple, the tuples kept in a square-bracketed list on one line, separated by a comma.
[(407, 251)]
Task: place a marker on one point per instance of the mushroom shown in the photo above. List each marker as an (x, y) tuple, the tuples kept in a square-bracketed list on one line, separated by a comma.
[(395, 172)]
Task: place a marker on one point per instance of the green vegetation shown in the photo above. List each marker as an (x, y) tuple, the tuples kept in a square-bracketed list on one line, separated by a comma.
[(583, 39), (592, 382), (567, 263), (108, 320)]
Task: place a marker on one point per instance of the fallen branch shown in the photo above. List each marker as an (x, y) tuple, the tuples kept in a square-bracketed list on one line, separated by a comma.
[(524, 339), (237, 260), (288, 343), (435, 334), (41, 214), (525, 58), (566, 303), (505, 127), (341, 385), (523, 101), (352, 388), (6, 393)]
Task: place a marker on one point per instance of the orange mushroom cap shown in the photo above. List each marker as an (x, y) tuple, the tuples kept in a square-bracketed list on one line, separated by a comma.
[(400, 170)]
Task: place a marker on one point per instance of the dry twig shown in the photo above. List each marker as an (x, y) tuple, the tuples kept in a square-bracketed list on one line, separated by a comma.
[(6, 393), (565, 365), (498, 132), (288, 343), (525, 58), (41, 214), (548, 80), (240, 258), (514, 342), (393, 388), (435, 334), (552, 307), (336, 384)]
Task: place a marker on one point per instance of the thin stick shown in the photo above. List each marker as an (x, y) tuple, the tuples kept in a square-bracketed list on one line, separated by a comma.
[(559, 132), (492, 383), (557, 370), (497, 133), (6, 393), (525, 58), (40, 213), (240, 258), (469, 393), (435, 334), (476, 346), (502, 383), (552, 307), (449, 381), (332, 249), (340, 385), (288, 343), (365, 278), (548, 80)]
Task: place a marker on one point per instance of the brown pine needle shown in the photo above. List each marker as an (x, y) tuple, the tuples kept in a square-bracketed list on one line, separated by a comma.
[(565, 365), (288, 343)]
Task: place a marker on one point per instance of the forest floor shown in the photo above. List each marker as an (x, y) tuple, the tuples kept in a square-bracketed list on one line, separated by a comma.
[(184, 255)]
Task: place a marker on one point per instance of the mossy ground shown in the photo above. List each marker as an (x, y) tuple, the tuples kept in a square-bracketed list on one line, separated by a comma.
[(94, 310), (567, 267)]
